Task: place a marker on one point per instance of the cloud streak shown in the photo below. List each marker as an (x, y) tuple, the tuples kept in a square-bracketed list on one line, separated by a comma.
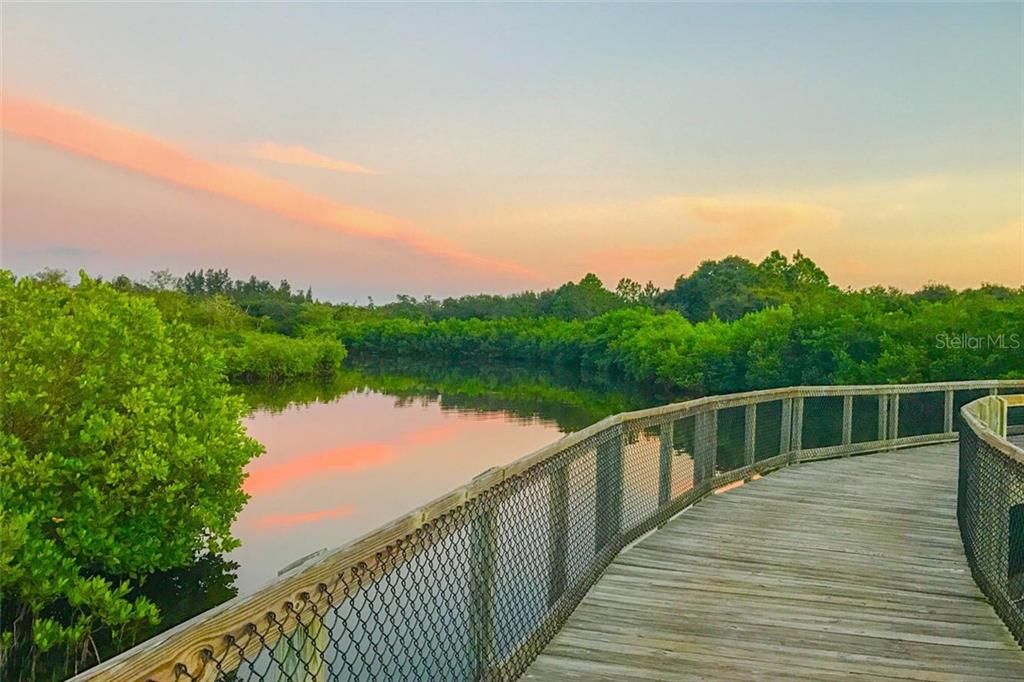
[(758, 217), (295, 155), (139, 152), (713, 226), (283, 521)]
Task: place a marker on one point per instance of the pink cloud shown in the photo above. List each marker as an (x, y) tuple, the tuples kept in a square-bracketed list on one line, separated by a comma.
[(279, 521), (726, 225), (101, 140), (294, 155)]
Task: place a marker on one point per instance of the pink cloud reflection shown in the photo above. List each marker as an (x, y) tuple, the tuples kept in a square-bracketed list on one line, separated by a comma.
[(350, 458)]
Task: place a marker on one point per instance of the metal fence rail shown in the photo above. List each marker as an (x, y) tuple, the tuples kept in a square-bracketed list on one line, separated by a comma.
[(990, 505), (473, 585)]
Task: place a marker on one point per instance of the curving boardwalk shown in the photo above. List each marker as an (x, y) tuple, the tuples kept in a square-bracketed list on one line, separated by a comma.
[(848, 568)]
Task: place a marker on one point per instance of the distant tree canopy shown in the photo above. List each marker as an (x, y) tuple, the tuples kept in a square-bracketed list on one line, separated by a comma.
[(808, 330), (121, 453), (732, 287)]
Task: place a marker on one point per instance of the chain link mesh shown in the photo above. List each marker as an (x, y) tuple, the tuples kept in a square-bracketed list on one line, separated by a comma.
[(990, 510), (476, 593)]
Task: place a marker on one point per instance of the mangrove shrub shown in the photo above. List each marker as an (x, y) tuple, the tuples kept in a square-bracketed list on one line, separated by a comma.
[(121, 453)]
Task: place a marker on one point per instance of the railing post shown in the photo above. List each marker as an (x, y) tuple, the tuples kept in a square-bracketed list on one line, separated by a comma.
[(749, 434), (609, 490), (883, 417), (947, 414), (786, 427), (665, 462), (483, 553), (299, 656), (558, 514), (796, 443), (705, 447), (894, 416), (847, 419)]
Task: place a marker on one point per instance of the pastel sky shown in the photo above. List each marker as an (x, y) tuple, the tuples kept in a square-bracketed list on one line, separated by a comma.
[(445, 149)]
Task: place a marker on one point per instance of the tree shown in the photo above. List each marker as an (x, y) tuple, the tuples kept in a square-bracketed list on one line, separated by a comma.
[(933, 292), (162, 280), (583, 300), (121, 453), (52, 276), (634, 293), (727, 288), (805, 273)]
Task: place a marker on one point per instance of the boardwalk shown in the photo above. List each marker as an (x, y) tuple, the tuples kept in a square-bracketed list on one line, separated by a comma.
[(843, 568)]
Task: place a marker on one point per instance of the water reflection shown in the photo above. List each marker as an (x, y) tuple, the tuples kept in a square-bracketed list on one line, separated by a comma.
[(347, 456), (350, 454), (524, 392)]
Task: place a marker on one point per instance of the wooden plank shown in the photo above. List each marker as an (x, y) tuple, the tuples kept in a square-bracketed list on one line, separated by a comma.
[(705, 447), (482, 562), (749, 433), (894, 417), (558, 514), (665, 452), (847, 419), (786, 428), (947, 412), (797, 439), (883, 417), (867, 580), (608, 507)]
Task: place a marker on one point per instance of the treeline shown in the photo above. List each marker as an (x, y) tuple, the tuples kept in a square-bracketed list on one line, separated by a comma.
[(730, 325), (837, 337), (256, 324)]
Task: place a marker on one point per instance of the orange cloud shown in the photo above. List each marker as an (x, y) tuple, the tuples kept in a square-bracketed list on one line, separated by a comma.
[(295, 155), (731, 226), (758, 217), (93, 138), (278, 521)]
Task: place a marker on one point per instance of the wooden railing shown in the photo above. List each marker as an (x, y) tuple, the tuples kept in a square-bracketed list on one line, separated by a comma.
[(562, 512), (990, 505)]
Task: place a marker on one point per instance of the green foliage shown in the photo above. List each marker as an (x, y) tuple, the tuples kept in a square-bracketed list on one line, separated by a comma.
[(732, 287), (822, 336), (121, 453), (253, 356)]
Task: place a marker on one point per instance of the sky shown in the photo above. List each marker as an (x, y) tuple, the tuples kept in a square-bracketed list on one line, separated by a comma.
[(370, 150)]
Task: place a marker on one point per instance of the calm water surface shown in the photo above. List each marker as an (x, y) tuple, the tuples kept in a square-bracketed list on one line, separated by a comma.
[(345, 457), (342, 465), (333, 472)]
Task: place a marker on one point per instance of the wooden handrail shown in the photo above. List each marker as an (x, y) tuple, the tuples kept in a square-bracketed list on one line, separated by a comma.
[(191, 643)]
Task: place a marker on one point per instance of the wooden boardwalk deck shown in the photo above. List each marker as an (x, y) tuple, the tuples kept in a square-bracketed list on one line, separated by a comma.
[(847, 568)]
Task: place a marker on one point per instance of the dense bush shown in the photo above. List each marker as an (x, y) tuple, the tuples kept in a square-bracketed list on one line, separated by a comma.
[(121, 453), (261, 356), (829, 336)]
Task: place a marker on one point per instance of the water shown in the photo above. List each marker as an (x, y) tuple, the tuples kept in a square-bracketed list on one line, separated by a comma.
[(345, 458), (335, 471)]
